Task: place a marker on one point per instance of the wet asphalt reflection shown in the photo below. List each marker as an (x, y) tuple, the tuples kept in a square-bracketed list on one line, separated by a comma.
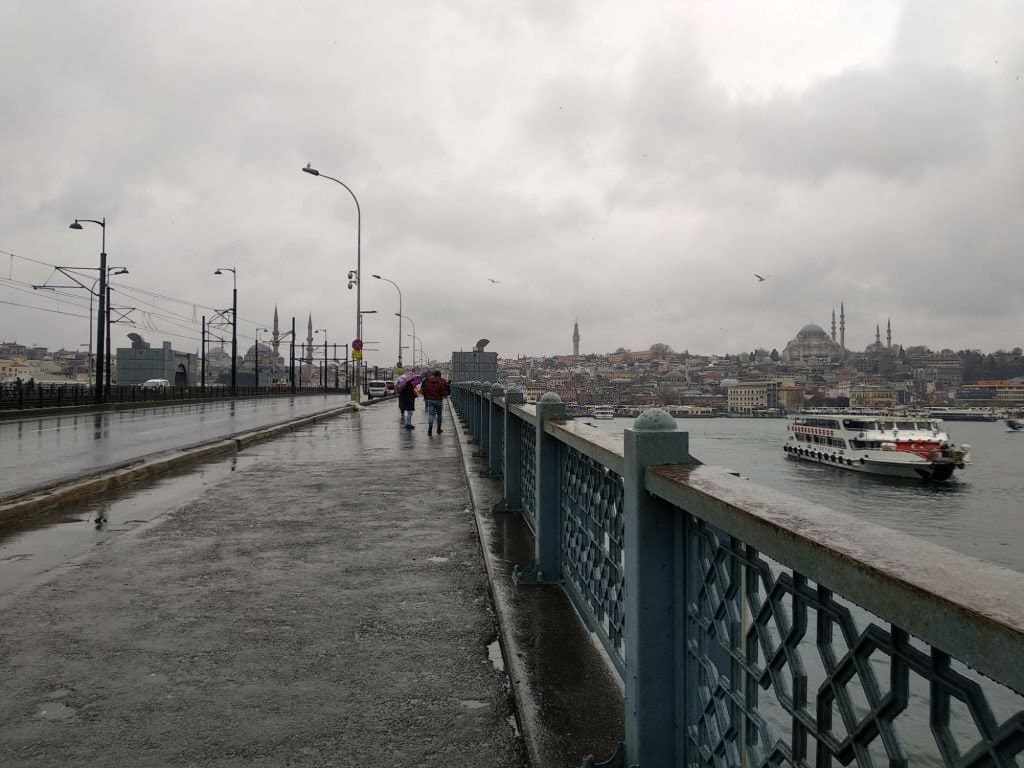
[(40, 451), (33, 547)]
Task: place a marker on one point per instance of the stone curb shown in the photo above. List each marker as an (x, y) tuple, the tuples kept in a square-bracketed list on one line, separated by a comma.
[(149, 467), (525, 712)]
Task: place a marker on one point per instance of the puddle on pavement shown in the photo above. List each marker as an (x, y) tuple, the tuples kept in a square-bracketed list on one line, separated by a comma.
[(514, 725), (494, 654), (32, 546)]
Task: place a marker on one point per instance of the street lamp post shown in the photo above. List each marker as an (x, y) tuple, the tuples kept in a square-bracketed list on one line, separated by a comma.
[(110, 356), (102, 315), (413, 336), (399, 313), (357, 278), (234, 325), (416, 338)]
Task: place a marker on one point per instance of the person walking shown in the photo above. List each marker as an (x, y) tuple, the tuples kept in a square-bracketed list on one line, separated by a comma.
[(407, 403), (434, 389)]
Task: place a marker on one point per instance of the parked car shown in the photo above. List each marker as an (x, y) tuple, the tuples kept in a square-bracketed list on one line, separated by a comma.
[(391, 387), (155, 383), (376, 388)]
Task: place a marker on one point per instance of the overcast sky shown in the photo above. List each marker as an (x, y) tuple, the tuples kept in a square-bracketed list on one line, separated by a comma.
[(629, 166)]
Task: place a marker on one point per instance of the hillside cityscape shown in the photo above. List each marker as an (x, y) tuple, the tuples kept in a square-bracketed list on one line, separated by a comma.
[(813, 369)]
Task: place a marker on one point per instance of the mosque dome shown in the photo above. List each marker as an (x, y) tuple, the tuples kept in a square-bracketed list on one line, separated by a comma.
[(266, 352), (812, 331)]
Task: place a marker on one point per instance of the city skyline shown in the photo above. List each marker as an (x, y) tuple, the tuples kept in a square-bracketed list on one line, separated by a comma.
[(708, 177)]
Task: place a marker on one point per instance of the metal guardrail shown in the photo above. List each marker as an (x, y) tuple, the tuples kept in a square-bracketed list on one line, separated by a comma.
[(35, 396), (750, 628)]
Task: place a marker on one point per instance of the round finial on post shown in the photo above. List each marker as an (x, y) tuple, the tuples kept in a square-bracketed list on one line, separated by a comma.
[(549, 397), (654, 420)]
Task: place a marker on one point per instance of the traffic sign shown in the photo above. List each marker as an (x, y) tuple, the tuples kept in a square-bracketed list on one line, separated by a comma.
[(357, 354), (357, 344)]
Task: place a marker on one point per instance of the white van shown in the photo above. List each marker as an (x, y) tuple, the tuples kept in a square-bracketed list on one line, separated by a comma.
[(155, 384), (376, 388)]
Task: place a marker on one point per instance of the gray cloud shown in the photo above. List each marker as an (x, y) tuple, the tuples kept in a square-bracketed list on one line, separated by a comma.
[(593, 160)]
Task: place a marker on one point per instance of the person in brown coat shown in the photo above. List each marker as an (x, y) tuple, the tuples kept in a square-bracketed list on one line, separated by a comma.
[(435, 390)]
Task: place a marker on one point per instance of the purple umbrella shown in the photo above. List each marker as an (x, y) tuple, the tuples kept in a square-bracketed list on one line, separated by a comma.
[(407, 378)]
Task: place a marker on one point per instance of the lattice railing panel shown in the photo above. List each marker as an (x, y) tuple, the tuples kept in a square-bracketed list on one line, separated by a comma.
[(501, 436), (789, 674), (591, 497), (528, 473)]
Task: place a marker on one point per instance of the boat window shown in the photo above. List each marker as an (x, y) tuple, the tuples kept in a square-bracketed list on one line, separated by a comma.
[(859, 424), (907, 425)]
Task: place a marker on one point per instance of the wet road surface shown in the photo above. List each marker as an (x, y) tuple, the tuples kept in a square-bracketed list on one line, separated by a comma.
[(40, 451), (321, 601)]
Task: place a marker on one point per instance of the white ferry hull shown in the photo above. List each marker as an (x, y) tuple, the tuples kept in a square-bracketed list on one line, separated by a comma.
[(905, 466)]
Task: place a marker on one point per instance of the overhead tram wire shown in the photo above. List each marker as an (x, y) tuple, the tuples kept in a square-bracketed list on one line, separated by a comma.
[(42, 309), (177, 320)]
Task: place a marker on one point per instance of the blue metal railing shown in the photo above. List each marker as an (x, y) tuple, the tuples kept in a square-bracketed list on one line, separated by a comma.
[(751, 628)]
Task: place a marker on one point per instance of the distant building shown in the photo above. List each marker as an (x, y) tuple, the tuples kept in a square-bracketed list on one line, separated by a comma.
[(140, 362), (872, 396), (747, 396), (476, 365), (791, 398), (1000, 393)]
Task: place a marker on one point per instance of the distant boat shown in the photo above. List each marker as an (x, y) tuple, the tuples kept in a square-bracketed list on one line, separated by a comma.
[(964, 414), (604, 412), (1014, 425)]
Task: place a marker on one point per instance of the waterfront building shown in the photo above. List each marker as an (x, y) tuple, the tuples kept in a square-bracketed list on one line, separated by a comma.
[(748, 396), (995, 393), (791, 397), (872, 396)]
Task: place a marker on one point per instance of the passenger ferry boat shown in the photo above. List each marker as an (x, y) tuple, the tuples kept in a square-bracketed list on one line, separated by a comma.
[(895, 446), (604, 412)]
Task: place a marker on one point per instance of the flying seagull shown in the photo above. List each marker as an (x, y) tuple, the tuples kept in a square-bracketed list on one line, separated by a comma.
[(493, 280), (759, 278)]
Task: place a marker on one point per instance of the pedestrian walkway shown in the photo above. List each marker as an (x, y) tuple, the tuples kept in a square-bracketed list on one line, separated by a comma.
[(325, 605)]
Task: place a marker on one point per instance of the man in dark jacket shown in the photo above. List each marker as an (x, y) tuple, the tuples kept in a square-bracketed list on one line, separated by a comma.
[(434, 390)]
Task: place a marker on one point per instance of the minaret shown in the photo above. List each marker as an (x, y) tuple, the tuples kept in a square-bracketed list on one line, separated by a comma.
[(576, 339), (842, 326), (878, 336), (833, 325), (888, 333)]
